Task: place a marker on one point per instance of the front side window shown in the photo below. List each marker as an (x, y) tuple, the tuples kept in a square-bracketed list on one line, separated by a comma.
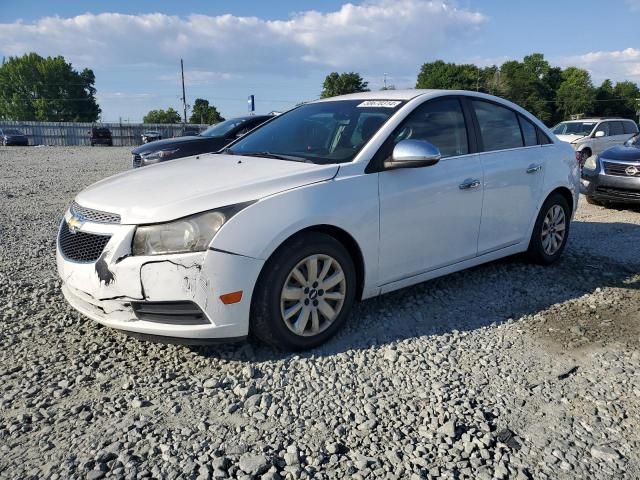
[(439, 122), (323, 133), (574, 128), (499, 126), (528, 132), (603, 127)]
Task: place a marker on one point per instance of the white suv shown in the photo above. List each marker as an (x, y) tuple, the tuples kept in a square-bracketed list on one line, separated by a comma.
[(592, 136), (334, 201)]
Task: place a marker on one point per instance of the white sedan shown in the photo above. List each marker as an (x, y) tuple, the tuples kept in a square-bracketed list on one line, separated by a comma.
[(334, 201)]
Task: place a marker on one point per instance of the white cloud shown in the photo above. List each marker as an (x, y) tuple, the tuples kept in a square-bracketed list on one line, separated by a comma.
[(616, 65), (368, 36), (634, 5)]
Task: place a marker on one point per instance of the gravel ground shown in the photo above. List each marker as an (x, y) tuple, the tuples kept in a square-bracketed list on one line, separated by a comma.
[(507, 370)]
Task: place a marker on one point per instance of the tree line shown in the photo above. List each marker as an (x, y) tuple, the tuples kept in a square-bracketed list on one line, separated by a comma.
[(551, 93), (50, 89)]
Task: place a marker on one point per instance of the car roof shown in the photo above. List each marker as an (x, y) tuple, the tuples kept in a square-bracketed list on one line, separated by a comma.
[(595, 119)]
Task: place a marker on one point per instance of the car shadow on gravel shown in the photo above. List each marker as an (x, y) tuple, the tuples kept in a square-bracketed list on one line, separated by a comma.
[(479, 297)]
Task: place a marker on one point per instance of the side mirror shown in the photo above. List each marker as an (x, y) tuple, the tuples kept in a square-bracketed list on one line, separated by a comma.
[(599, 134), (413, 154)]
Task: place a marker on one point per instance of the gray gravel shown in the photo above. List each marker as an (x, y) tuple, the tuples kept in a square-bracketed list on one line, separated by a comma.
[(508, 370)]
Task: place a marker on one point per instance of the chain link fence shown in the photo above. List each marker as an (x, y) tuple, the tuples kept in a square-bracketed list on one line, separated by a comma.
[(67, 133)]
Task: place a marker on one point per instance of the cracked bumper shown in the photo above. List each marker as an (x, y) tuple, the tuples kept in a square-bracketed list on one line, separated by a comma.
[(196, 277)]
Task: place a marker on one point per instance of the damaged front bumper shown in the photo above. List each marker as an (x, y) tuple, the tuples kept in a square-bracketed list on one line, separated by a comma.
[(112, 289)]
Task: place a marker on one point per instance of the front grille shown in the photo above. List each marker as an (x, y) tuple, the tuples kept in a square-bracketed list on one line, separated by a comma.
[(619, 169), (136, 160), (91, 215), (619, 193), (175, 313), (81, 247)]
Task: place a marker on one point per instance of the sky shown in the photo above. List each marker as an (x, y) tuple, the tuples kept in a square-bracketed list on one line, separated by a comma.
[(281, 50)]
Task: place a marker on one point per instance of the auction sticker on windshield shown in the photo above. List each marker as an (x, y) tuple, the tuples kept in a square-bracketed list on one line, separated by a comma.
[(379, 103)]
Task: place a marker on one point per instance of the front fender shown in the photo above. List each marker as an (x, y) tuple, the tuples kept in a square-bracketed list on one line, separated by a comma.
[(350, 204)]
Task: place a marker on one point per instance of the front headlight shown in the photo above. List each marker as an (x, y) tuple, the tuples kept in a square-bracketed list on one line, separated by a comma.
[(155, 157), (591, 162), (189, 234)]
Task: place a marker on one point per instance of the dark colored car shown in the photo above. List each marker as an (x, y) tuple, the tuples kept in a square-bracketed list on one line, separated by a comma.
[(189, 132), (212, 139), (11, 136), (151, 136), (100, 136), (614, 175)]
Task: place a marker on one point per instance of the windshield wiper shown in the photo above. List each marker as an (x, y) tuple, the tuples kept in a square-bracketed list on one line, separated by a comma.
[(277, 156)]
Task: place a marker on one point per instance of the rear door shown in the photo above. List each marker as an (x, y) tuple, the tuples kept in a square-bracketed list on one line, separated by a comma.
[(513, 165)]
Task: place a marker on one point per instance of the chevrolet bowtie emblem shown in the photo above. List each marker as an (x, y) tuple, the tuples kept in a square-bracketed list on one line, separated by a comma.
[(75, 223)]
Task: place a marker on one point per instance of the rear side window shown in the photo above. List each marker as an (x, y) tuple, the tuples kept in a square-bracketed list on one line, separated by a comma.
[(616, 128), (440, 122), (498, 126), (528, 132), (630, 127)]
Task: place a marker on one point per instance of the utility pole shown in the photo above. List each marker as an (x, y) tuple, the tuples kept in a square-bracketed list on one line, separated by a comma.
[(384, 81), (184, 97)]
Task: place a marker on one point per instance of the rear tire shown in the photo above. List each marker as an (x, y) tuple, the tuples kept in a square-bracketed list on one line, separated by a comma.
[(304, 293), (551, 231)]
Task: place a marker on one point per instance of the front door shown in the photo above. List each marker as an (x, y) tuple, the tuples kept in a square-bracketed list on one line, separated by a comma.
[(430, 216)]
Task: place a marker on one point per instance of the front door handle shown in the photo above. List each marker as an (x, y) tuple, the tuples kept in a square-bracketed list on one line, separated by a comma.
[(469, 184), (534, 168)]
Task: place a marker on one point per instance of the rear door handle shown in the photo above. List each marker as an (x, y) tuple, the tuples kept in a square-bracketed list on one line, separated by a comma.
[(469, 184), (534, 168)]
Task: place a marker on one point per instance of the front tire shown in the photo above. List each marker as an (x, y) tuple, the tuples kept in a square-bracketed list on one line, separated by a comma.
[(304, 293), (551, 231)]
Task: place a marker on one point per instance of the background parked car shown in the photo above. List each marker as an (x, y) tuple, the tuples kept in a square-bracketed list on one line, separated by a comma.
[(12, 136), (189, 132), (100, 136), (614, 175), (151, 136), (592, 136), (212, 139)]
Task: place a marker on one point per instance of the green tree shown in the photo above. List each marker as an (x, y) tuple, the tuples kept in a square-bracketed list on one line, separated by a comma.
[(202, 112), (576, 93), (443, 75), (627, 96), (342, 83), (605, 104), (46, 89), (169, 115)]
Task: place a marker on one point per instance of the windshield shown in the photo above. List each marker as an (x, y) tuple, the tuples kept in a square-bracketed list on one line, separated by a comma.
[(574, 128), (222, 128), (12, 131), (325, 132)]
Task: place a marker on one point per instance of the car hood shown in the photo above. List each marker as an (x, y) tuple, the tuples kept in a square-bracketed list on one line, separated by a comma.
[(171, 190), (167, 143), (622, 152), (570, 138)]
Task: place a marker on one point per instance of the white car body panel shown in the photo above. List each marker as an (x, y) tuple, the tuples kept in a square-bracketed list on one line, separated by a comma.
[(409, 225), (596, 145)]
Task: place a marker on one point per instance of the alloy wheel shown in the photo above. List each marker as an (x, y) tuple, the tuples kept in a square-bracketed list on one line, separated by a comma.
[(313, 295), (553, 229)]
